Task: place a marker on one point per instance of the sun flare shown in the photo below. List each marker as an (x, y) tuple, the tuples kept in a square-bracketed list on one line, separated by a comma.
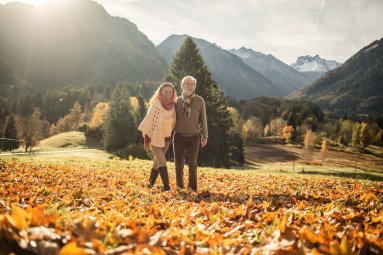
[(33, 2)]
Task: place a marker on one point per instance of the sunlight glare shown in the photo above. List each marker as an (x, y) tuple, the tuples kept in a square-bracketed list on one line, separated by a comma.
[(33, 2)]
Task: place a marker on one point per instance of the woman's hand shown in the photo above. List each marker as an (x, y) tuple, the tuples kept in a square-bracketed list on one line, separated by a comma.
[(146, 147), (203, 142)]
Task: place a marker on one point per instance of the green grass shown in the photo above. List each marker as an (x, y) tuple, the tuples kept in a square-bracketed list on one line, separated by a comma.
[(375, 150), (62, 155), (64, 140), (66, 146)]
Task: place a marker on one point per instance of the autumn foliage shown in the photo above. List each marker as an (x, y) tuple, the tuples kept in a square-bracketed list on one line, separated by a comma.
[(96, 207), (288, 132)]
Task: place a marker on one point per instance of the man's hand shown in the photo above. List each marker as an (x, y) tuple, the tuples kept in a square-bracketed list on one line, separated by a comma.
[(203, 142)]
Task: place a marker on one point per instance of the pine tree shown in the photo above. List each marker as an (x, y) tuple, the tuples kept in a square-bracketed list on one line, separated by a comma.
[(292, 119), (11, 142), (4, 113), (107, 92), (188, 61), (237, 149), (25, 105), (38, 100), (140, 115), (120, 126), (142, 108)]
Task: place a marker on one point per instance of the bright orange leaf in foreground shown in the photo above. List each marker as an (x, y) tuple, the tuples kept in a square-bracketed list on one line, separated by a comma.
[(105, 208)]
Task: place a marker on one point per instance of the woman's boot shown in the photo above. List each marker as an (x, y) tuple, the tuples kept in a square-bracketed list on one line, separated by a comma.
[(164, 177), (153, 177)]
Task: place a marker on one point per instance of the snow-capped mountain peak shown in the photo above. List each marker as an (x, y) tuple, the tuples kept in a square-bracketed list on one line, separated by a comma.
[(314, 64), (245, 53), (273, 69)]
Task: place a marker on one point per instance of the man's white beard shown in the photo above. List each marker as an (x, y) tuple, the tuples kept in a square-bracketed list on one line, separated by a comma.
[(187, 92)]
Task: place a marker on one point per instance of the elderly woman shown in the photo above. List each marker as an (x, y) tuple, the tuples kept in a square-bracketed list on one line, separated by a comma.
[(157, 127)]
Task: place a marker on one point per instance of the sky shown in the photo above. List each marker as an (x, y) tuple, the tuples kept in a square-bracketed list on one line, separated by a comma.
[(286, 29)]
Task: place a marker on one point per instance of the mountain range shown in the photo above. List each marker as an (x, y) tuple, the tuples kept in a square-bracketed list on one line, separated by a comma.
[(354, 87), (285, 77), (237, 79), (75, 42), (267, 76)]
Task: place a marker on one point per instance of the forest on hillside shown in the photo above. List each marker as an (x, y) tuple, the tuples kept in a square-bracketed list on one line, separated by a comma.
[(84, 108)]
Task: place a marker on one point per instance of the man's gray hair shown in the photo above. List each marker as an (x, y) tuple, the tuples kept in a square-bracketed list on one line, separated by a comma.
[(189, 77)]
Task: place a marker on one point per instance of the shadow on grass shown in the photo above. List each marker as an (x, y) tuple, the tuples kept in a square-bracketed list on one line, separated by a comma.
[(246, 166), (264, 153), (276, 200), (357, 176)]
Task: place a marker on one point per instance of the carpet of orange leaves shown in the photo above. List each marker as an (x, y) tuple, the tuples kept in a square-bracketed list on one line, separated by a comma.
[(105, 208)]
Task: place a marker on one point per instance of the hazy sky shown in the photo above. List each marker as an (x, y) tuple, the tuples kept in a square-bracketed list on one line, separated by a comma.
[(334, 29)]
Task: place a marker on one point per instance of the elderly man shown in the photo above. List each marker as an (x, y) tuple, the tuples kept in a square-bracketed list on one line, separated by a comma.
[(191, 119)]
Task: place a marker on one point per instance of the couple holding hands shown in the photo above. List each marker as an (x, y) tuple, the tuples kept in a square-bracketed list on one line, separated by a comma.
[(186, 116)]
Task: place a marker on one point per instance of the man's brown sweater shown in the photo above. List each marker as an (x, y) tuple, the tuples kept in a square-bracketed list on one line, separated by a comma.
[(190, 125)]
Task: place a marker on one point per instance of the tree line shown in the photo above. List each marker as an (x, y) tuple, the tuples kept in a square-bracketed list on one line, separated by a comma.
[(294, 120)]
